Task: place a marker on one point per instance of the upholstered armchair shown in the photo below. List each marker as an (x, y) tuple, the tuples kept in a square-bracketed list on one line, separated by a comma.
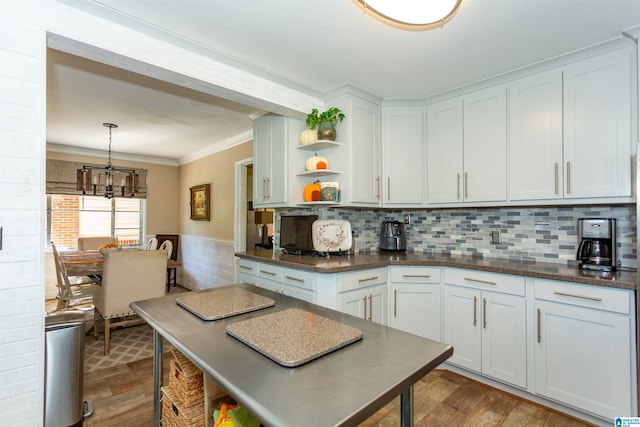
[(127, 276)]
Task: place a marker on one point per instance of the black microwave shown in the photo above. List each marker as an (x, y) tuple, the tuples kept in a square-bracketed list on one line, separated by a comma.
[(296, 233)]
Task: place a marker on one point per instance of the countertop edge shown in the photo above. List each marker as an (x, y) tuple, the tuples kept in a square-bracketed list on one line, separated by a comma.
[(620, 280)]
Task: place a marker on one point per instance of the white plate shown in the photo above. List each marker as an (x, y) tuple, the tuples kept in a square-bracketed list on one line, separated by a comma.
[(331, 235)]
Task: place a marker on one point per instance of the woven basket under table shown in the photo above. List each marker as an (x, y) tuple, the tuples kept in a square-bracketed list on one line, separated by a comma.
[(185, 380), (175, 415)]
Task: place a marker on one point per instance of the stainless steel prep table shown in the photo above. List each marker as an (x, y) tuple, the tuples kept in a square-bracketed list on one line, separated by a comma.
[(342, 388)]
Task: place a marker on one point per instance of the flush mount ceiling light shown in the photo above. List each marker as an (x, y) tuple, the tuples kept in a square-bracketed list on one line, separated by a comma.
[(106, 179), (416, 15)]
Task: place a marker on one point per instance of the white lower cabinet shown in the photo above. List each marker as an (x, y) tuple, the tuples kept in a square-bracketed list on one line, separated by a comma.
[(485, 321), (415, 300), (364, 294), (296, 283), (584, 347)]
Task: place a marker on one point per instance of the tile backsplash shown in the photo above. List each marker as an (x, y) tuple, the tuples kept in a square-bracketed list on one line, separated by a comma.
[(546, 234)]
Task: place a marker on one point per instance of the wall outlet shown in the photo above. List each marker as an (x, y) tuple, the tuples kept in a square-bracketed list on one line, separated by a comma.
[(495, 237), (407, 218)]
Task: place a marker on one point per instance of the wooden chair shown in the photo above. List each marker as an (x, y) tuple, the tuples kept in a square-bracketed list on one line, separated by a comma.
[(173, 256), (93, 242), (127, 276), (71, 294)]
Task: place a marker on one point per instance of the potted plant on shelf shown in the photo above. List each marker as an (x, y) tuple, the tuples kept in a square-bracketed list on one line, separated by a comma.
[(326, 122)]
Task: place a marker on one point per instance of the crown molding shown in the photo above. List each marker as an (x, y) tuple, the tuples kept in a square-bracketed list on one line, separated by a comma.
[(217, 147), (70, 149)]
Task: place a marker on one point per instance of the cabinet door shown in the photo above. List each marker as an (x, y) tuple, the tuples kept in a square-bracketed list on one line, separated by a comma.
[(485, 145), (582, 358), (535, 137), (365, 152), (368, 303), (504, 338), (270, 168), (597, 130), (415, 308), (403, 151), (444, 151), (354, 303), (462, 328)]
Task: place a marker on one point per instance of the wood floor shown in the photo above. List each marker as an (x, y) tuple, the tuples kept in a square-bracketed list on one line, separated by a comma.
[(123, 396)]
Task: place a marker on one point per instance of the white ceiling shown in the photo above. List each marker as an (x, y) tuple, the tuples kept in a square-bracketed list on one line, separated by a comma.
[(315, 46)]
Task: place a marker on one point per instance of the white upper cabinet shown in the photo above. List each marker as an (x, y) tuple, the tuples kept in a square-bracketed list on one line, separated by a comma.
[(359, 156), (485, 145), (535, 137), (403, 154), (444, 151), (467, 148), (273, 137), (597, 126)]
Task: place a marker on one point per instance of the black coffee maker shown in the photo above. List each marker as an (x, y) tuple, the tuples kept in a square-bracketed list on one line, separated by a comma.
[(597, 248)]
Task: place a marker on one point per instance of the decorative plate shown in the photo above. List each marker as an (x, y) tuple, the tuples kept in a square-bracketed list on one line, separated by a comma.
[(331, 235)]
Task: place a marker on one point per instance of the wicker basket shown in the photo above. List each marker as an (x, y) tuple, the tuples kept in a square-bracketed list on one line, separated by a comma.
[(175, 415), (185, 380)]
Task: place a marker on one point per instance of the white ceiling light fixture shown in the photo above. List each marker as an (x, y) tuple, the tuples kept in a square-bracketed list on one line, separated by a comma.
[(414, 15)]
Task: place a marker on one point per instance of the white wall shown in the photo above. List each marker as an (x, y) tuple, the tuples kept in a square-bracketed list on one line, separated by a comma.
[(22, 153)]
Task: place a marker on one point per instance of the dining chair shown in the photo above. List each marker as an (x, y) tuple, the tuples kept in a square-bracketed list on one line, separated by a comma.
[(151, 245), (127, 276), (71, 294), (94, 242), (167, 246), (173, 263)]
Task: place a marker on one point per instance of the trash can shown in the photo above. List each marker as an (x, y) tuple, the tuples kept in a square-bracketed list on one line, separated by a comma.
[(64, 370)]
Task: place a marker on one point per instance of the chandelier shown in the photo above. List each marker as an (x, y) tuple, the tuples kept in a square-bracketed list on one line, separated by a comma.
[(411, 14), (108, 179)]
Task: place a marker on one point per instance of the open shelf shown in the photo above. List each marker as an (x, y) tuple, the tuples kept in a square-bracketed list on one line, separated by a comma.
[(318, 172), (318, 145), (310, 204)]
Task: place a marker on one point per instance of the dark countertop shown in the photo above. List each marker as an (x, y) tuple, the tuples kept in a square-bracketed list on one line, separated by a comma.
[(362, 261)]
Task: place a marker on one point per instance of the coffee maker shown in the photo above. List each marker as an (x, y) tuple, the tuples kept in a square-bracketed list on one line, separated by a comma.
[(393, 236), (597, 248)]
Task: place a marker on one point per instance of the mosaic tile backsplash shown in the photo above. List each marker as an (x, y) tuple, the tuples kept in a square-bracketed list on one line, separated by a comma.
[(546, 234)]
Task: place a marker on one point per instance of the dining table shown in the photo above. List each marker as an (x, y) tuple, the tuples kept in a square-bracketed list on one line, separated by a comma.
[(340, 388), (90, 263)]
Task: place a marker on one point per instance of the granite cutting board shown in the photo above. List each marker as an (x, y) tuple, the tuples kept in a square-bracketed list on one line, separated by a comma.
[(223, 302), (293, 337)]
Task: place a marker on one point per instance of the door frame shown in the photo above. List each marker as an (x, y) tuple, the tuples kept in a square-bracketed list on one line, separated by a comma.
[(240, 206)]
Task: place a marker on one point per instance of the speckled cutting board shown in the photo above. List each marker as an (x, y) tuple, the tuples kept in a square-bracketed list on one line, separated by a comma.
[(293, 337), (223, 302)]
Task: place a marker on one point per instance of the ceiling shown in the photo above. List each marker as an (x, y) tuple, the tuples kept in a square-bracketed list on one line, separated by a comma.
[(314, 46)]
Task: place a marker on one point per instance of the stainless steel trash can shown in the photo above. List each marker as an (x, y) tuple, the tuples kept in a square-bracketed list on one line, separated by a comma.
[(64, 369)]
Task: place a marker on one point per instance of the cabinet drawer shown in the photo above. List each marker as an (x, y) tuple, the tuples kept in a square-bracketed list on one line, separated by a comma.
[(598, 297), (299, 278), (362, 279), (414, 274), (271, 272), (247, 267), (504, 283)]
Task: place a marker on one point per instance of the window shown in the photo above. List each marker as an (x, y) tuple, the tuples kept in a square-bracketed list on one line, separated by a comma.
[(71, 216)]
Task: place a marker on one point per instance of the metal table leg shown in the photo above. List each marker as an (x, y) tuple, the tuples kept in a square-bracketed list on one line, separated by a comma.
[(406, 408), (157, 378)]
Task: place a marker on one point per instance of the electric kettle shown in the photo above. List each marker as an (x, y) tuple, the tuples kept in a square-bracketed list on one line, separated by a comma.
[(392, 236)]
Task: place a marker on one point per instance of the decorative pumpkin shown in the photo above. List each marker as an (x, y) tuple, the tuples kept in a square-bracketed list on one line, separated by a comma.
[(308, 136), (312, 192), (312, 162), (321, 165)]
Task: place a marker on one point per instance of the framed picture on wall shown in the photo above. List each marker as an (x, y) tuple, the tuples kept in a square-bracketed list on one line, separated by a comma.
[(200, 208)]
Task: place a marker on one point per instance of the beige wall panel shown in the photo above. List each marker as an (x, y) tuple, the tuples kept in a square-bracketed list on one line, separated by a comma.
[(217, 170)]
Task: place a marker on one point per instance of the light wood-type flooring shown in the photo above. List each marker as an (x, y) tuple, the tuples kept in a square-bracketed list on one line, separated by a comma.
[(123, 396)]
